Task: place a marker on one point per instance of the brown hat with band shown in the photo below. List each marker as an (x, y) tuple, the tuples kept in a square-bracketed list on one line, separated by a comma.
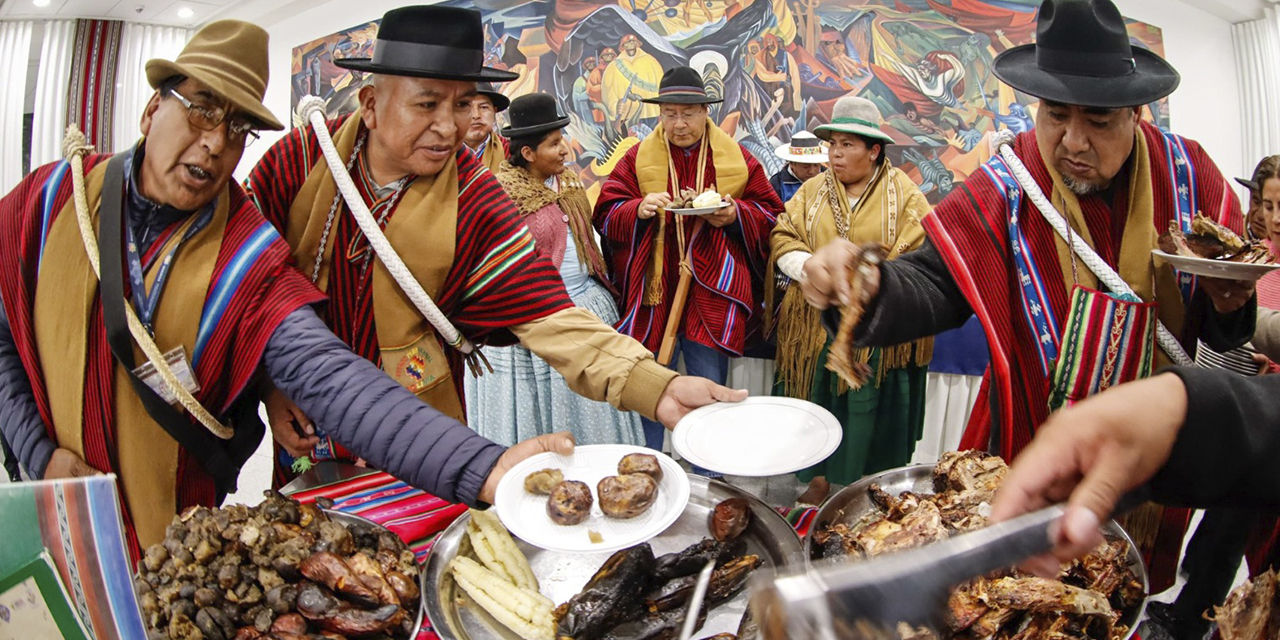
[(229, 57)]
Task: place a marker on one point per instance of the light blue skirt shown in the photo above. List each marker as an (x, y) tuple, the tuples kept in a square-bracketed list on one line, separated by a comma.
[(524, 397)]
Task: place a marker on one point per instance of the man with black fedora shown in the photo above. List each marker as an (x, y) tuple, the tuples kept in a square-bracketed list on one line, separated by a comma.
[(214, 293), (724, 252), (454, 229), (481, 137), (1108, 179)]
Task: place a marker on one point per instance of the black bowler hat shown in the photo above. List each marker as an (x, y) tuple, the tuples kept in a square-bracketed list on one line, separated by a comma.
[(1248, 184), (500, 102), (1082, 56), (681, 85), (429, 42), (533, 114)]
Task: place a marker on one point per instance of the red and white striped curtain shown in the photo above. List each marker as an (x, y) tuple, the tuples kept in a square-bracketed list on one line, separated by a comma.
[(91, 93)]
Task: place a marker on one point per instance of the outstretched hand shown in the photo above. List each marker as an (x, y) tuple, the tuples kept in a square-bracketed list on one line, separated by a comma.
[(686, 393), (561, 443)]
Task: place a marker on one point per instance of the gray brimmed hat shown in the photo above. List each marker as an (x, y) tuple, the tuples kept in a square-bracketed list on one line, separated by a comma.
[(854, 115), (1082, 56), (805, 147)]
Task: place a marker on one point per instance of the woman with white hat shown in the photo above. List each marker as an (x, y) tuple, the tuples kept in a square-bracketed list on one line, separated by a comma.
[(861, 199), (806, 157)]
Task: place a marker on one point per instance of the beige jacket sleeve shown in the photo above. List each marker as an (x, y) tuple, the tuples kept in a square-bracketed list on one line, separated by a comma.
[(1266, 335), (597, 361)]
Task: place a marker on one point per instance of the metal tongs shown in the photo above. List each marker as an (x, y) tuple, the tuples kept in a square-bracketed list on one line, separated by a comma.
[(870, 597)]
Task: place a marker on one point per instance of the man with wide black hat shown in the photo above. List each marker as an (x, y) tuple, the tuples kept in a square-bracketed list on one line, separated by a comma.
[(725, 251), (453, 233), (481, 138), (1099, 177)]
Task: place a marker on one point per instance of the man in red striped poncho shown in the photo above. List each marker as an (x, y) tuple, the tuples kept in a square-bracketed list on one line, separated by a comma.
[(729, 249), (457, 231), (1120, 182)]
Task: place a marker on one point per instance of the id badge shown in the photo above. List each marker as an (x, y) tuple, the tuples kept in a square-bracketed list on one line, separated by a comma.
[(176, 358)]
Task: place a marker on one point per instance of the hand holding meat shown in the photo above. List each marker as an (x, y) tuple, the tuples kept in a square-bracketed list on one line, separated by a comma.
[(826, 276)]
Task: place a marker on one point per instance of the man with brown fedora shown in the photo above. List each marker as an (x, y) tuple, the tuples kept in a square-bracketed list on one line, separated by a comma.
[(456, 232), (191, 272), (724, 253), (481, 137), (1097, 179)]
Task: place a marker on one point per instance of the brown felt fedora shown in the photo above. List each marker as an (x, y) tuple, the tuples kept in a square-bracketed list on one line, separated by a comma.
[(229, 57)]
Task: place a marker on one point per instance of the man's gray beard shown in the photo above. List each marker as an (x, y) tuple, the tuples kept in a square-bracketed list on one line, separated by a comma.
[(1080, 188)]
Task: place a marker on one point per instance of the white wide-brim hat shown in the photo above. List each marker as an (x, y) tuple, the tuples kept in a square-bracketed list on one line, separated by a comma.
[(805, 147)]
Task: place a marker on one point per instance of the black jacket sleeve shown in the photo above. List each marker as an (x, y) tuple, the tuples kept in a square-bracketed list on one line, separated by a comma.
[(369, 413), (1227, 450), (917, 298), (20, 423)]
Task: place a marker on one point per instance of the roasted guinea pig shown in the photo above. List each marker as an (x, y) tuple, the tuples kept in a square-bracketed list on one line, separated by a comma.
[(693, 558), (570, 503), (730, 518), (615, 594), (726, 581), (627, 496), (1208, 239), (641, 463), (541, 482)]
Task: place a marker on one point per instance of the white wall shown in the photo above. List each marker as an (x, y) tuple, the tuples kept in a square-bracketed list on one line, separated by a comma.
[(1197, 43)]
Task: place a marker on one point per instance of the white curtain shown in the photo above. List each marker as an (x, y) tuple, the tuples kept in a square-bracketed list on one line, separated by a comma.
[(15, 50), (1257, 48), (138, 44), (50, 119)]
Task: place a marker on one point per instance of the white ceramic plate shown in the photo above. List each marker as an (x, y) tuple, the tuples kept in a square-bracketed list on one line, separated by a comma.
[(760, 436), (699, 211), (525, 514), (1216, 268)]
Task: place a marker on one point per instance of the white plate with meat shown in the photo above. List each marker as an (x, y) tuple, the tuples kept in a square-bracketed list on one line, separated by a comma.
[(1213, 268), (591, 502)]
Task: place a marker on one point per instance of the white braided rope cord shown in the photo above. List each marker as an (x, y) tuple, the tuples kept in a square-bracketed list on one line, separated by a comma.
[(74, 147), (311, 109), (1088, 256)]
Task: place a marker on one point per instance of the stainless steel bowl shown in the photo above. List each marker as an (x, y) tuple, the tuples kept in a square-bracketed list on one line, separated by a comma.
[(853, 503), (349, 519), (561, 575)]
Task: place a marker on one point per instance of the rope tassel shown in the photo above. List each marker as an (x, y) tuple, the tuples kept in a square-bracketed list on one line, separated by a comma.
[(311, 110)]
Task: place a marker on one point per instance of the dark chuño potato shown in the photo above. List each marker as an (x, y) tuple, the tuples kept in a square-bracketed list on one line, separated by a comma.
[(640, 463), (290, 623), (730, 518), (570, 503), (627, 496)]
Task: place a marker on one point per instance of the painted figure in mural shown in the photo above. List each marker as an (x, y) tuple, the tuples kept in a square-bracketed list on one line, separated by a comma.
[(481, 137), (1120, 182), (726, 250), (937, 76), (524, 396), (595, 85), (833, 52), (586, 96), (454, 227), (213, 280), (806, 157), (863, 198), (778, 73), (628, 82)]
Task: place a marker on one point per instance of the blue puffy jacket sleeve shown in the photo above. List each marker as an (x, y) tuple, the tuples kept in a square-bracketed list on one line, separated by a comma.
[(20, 421), (369, 413)]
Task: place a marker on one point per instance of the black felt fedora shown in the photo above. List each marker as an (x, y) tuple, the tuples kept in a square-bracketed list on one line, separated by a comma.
[(681, 85), (500, 102), (1082, 56), (429, 42), (534, 114)]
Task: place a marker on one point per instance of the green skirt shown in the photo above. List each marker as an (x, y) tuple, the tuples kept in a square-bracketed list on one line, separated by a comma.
[(882, 423)]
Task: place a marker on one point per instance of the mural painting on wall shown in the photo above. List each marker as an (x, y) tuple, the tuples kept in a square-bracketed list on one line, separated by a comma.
[(780, 65)]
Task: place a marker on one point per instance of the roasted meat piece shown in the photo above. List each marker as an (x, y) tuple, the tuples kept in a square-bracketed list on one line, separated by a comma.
[(626, 496), (840, 356), (1040, 594), (970, 470), (1248, 611), (541, 482), (730, 518), (640, 463), (570, 503)]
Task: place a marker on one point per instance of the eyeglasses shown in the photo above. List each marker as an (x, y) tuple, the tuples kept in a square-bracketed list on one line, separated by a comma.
[(239, 130)]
